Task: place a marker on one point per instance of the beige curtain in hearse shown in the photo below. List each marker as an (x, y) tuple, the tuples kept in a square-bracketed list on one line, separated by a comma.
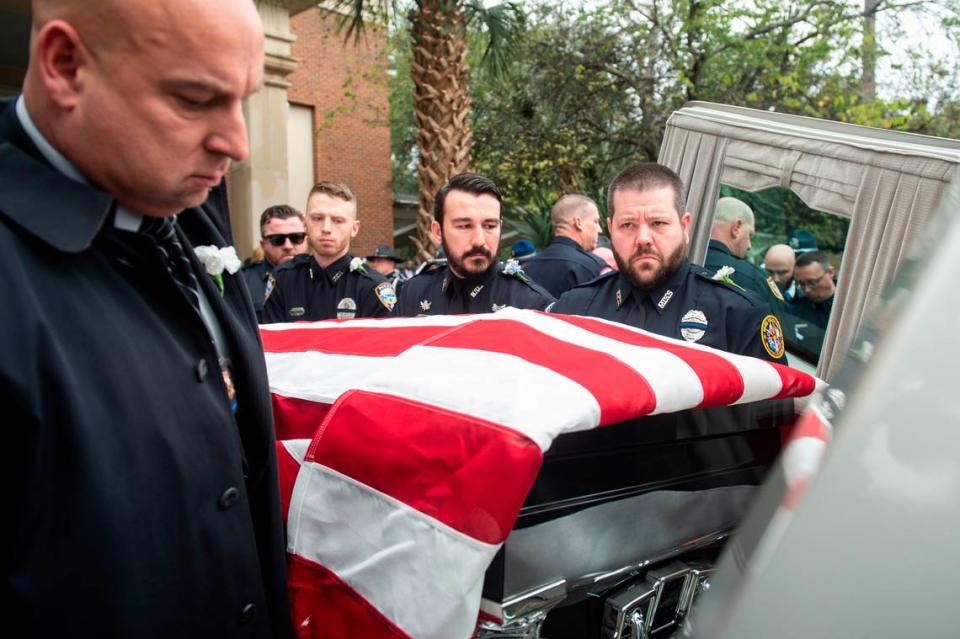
[(887, 183)]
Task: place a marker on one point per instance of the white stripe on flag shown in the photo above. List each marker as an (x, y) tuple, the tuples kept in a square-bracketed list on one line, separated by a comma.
[(504, 389), (368, 539), (675, 385), (760, 379), (295, 374), (385, 323)]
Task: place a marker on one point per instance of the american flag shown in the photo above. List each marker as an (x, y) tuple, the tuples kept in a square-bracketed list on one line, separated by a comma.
[(408, 445)]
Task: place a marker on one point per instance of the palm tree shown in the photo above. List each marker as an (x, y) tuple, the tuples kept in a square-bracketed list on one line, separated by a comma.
[(440, 31)]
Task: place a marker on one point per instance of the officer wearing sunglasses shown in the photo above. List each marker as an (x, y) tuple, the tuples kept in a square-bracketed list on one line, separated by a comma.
[(283, 236)]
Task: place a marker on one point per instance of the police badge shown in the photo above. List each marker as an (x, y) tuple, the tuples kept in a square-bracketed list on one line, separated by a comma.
[(346, 308)]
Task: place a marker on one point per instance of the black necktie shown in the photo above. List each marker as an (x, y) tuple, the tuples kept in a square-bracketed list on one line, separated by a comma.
[(163, 231)]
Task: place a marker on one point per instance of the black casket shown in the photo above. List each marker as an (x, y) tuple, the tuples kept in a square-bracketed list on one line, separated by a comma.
[(641, 508)]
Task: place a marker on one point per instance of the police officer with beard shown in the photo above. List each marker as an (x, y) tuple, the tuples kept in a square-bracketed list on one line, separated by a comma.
[(657, 288), (467, 223)]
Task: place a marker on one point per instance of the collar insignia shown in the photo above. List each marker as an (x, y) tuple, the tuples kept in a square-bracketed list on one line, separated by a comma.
[(336, 276), (619, 298), (662, 304), (476, 291)]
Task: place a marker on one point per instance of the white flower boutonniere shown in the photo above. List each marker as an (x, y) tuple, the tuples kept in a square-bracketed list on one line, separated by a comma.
[(512, 267), (215, 260), (357, 264), (724, 274)]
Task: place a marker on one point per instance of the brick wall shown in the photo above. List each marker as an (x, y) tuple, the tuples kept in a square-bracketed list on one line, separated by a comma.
[(346, 84)]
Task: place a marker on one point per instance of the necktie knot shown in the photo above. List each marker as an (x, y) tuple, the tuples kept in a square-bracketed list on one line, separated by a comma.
[(163, 231)]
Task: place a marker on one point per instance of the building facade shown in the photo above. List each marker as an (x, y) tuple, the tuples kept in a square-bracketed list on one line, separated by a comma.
[(322, 114)]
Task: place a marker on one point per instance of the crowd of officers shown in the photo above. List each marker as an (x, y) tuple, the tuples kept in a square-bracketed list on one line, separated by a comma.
[(143, 485), (308, 272)]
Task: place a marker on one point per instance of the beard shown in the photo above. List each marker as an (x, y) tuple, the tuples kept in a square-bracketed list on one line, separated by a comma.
[(467, 270), (651, 278)]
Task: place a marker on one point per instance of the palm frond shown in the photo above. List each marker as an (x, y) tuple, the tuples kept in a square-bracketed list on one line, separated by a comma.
[(499, 25), (354, 14)]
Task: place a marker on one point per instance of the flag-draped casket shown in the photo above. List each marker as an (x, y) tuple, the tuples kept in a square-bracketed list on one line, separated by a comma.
[(408, 448)]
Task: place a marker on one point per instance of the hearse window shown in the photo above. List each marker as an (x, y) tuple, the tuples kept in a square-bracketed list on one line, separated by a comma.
[(783, 218)]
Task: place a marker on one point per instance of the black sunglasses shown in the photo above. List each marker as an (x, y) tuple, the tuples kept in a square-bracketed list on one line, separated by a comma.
[(279, 239)]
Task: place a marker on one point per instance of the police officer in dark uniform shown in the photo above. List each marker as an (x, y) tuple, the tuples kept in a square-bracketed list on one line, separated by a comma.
[(657, 288), (328, 282), (467, 224), (567, 261), (384, 261), (282, 237), (730, 237)]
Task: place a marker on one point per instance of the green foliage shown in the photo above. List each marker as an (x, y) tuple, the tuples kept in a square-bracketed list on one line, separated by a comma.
[(589, 88)]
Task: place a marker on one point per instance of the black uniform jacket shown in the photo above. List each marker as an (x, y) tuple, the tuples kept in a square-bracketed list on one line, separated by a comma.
[(301, 290), (440, 292), (689, 306), (255, 275), (137, 504), (745, 274), (563, 265)]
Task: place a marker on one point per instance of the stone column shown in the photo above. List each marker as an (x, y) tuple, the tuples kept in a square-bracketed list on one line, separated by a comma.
[(261, 180)]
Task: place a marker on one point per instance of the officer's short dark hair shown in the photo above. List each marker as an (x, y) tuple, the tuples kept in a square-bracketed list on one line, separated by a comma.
[(646, 176), (468, 183), (812, 257), (278, 212)]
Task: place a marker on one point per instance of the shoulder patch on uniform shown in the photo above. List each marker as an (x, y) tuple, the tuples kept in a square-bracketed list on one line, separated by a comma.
[(771, 334), (386, 294), (774, 289)]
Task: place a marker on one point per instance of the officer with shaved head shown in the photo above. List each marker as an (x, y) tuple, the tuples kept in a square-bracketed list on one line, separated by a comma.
[(142, 495), (567, 261)]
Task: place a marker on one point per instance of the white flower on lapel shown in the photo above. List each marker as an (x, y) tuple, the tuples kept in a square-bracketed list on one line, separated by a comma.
[(356, 264), (215, 260)]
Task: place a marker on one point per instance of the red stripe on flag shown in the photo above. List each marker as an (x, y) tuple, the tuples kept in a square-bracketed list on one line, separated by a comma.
[(324, 606), (468, 473), (296, 418), (621, 392), (810, 425), (795, 383), (721, 380), (372, 341), (288, 467)]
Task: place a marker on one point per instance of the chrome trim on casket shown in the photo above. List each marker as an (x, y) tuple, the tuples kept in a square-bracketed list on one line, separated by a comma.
[(659, 602)]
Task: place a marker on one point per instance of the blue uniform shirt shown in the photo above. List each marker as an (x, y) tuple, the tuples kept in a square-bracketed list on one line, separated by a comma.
[(689, 306), (440, 292), (563, 265), (301, 290)]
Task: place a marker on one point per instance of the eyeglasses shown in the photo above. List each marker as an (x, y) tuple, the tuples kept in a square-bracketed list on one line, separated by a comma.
[(279, 239), (811, 283)]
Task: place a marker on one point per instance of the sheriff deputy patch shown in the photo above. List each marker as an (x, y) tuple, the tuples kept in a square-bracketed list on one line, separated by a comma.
[(772, 336), (387, 296)]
